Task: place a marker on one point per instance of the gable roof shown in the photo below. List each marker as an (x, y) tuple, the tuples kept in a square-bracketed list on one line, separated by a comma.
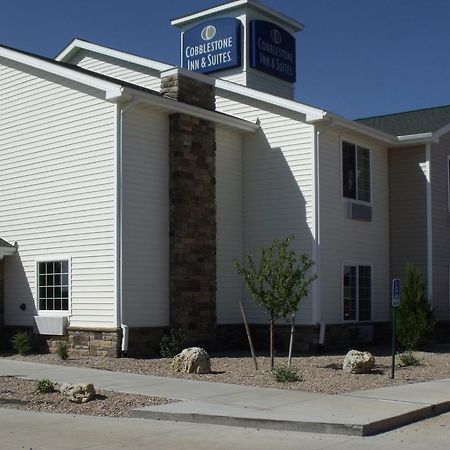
[(116, 89), (415, 122), (77, 44), (67, 70)]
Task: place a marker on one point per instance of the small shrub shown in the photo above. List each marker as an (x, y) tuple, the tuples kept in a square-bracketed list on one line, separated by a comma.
[(415, 320), (62, 349), (172, 343), (285, 374), (408, 359), (45, 386), (21, 343)]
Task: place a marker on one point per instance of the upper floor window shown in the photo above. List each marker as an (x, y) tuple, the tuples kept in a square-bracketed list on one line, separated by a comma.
[(53, 285), (355, 172)]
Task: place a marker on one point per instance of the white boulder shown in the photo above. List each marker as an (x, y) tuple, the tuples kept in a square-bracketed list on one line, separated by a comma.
[(192, 360), (358, 362), (78, 393)]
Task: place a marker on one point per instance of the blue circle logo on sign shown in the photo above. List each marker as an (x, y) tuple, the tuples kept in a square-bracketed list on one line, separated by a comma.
[(208, 32), (276, 36)]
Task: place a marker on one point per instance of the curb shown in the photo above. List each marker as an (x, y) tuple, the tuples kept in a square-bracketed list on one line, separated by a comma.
[(363, 429)]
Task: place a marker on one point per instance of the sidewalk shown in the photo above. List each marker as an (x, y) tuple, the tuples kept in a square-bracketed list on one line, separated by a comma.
[(356, 413)]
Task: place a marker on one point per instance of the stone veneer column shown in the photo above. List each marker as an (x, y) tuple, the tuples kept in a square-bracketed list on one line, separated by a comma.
[(192, 214)]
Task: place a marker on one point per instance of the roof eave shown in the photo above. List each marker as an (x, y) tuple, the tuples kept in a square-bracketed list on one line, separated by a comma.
[(336, 120), (419, 138), (174, 106), (113, 91), (78, 44), (310, 112), (182, 22)]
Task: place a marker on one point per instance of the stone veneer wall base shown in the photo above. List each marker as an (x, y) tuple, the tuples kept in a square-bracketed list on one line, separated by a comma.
[(95, 342)]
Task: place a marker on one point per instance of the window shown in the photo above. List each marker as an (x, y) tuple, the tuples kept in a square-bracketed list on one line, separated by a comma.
[(355, 172), (357, 292), (53, 285)]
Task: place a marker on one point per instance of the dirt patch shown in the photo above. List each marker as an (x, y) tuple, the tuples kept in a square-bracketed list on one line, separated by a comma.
[(322, 374), (19, 393)]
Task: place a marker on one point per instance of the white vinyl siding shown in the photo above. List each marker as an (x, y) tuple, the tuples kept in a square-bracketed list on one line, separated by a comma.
[(229, 224), (120, 69), (145, 218), (277, 188), (408, 209), (440, 220), (343, 240), (57, 193)]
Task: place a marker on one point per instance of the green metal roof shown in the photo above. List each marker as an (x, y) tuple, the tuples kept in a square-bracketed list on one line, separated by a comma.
[(410, 122)]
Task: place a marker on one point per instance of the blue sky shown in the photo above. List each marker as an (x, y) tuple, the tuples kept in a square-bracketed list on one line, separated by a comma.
[(355, 57)]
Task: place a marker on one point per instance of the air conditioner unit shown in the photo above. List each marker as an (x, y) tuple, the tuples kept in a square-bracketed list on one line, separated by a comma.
[(357, 211), (56, 326)]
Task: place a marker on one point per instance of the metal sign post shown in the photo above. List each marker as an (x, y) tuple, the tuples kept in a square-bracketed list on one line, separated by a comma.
[(395, 305)]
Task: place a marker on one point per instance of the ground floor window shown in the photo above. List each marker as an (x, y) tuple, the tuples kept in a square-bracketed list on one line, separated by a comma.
[(53, 285), (357, 292)]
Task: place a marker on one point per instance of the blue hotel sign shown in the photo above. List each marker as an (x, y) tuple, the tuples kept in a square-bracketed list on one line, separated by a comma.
[(213, 45), (272, 50)]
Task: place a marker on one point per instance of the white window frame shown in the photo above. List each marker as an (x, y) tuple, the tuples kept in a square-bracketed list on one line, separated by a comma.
[(53, 258), (353, 263), (356, 144)]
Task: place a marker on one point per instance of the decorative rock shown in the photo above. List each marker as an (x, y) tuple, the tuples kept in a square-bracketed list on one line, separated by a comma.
[(358, 362), (78, 393), (192, 360)]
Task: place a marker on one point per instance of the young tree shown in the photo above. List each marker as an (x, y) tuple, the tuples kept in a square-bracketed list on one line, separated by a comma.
[(278, 282), (415, 319)]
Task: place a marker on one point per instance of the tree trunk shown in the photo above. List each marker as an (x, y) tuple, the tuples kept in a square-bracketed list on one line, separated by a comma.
[(271, 344), (291, 341)]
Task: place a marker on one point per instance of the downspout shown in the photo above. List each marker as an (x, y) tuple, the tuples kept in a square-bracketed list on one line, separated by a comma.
[(121, 110), (317, 296)]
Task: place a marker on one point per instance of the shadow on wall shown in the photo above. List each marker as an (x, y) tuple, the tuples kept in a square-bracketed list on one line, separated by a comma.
[(19, 300), (276, 187)]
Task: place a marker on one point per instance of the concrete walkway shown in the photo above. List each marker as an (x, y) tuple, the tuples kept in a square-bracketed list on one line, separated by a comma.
[(356, 413)]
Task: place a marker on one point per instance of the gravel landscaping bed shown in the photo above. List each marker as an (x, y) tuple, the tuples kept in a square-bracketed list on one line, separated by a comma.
[(19, 393), (322, 374)]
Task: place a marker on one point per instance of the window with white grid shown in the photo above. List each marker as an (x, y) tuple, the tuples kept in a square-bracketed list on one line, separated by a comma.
[(53, 285)]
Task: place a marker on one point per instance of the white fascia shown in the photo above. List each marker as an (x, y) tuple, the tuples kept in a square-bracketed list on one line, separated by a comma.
[(361, 128), (77, 44), (437, 134), (112, 91), (312, 114), (420, 138), (226, 7), (174, 106)]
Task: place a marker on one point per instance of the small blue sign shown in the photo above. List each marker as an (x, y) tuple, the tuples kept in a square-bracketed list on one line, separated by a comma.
[(213, 45), (272, 50), (395, 292)]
